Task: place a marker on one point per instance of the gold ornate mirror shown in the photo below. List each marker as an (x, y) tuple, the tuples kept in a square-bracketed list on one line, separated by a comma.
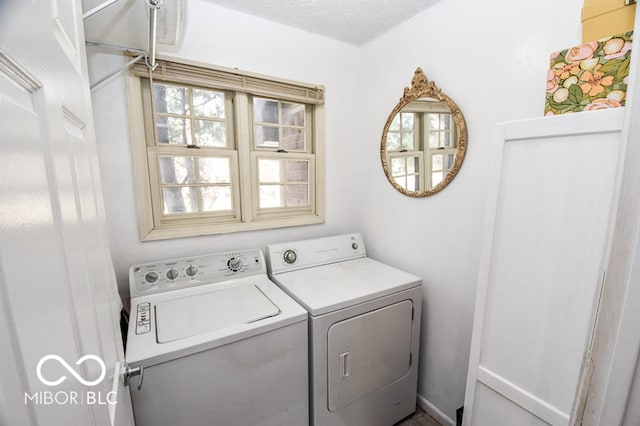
[(424, 140)]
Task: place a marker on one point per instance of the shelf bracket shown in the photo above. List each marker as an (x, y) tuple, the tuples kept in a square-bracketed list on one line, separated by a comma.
[(99, 8), (139, 55)]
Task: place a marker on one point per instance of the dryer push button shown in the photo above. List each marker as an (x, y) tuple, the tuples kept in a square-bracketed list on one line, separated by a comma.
[(290, 256)]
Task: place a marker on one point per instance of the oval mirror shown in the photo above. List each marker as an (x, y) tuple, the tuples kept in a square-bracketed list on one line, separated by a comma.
[(424, 140)]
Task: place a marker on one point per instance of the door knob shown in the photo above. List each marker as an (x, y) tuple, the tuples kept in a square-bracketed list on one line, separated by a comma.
[(133, 372)]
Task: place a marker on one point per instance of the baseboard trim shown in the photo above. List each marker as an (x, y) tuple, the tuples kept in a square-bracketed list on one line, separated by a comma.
[(434, 411)]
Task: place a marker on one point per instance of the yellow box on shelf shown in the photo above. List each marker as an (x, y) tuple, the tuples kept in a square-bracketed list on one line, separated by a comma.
[(604, 18)]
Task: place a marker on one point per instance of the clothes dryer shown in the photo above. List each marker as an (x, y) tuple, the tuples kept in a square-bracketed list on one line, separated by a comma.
[(364, 328)]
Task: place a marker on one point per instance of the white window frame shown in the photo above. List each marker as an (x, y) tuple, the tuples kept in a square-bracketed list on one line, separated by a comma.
[(239, 86), (430, 152), (402, 131), (445, 170), (420, 174), (268, 213)]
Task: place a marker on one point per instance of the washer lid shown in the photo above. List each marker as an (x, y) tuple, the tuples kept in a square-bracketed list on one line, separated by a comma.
[(208, 312), (327, 288)]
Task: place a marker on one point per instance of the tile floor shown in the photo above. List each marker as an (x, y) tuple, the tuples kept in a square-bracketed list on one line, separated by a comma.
[(419, 418)]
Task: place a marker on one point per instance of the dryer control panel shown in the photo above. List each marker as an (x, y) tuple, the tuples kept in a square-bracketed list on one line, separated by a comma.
[(167, 275), (294, 255)]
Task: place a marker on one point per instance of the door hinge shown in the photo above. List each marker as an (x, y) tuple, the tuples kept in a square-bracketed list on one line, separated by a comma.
[(413, 310), (629, 2), (410, 358)]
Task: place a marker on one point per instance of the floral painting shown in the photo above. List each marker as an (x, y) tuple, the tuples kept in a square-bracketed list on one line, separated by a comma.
[(589, 77)]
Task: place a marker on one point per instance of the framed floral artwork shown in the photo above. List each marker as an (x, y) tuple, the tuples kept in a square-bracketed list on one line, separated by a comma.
[(589, 77)]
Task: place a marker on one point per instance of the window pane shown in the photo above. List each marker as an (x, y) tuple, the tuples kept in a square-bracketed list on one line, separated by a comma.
[(393, 141), (408, 141), (266, 137), (447, 139), (442, 121), (180, 200), (173, 130), (436, 178), (297, 195), (442, 136), (434, 139), (398, 166), (297, 171), (436, 162), (171, 99), (283, 171), (270, 196), (401, 180), (269, 171), (433, 121), (210, 133), (292, 114), (265, 111), (177, 170), (407, 121), (293, 139), (411, 165), (412, 183), (214, 170), (207, 103), (449, 161), (395, 123), (286, 125), (446, 121), (216, 198)]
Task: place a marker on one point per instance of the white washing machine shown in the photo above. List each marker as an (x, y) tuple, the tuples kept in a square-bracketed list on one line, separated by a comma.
[(220, 344), (364, 327)]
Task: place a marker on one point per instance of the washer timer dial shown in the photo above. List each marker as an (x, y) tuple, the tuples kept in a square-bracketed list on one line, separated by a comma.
[(151, 277), (192, 270), (172, 274), (234, 264)]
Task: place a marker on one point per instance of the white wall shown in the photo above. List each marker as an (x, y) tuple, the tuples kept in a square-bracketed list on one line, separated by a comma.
[(223, 37), (491, 59)]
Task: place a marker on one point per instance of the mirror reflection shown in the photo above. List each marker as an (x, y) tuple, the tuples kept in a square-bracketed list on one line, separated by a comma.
[(424, 140)]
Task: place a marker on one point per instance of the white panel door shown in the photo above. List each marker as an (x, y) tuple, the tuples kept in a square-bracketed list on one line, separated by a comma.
[(548, 224), (58, 297)]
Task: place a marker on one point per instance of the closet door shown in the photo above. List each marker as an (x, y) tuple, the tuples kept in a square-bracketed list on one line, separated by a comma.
[(547, 228)]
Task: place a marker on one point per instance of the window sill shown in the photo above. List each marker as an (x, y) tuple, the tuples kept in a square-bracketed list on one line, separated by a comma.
[(163, 233)]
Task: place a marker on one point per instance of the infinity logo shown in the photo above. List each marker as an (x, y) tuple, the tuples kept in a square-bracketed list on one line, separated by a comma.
[(71, 370)]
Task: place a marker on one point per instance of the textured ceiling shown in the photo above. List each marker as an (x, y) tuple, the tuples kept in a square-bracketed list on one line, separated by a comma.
[(352, 21)]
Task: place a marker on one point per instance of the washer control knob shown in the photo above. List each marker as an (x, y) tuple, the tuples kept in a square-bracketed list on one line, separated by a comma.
[(151, 277), (354, 246), (235, 264), (290, 256), (172, 274), (192, 270)]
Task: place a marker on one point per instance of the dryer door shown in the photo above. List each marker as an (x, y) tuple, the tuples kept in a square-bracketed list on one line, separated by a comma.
[(368, 352)]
